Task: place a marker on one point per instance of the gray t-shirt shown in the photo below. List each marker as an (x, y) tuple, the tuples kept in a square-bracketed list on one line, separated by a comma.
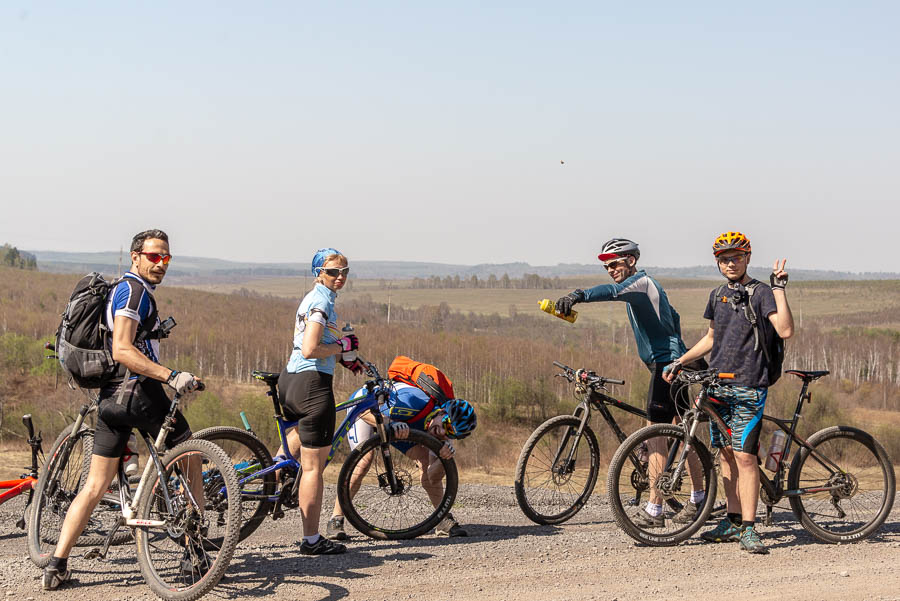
[(733, 343)]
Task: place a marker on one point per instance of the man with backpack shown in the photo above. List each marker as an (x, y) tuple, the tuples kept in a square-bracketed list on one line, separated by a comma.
[(132, 396), (748, 321), (422, 399)]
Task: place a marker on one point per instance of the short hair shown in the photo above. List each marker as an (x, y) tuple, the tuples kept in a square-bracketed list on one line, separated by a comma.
[(137, 243)]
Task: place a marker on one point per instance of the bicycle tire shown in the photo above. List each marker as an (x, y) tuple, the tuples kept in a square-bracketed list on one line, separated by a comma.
[(623, 479), (248, 455), (862, 504), (160, 551), (378, 514), (48, 511), (547, 493)]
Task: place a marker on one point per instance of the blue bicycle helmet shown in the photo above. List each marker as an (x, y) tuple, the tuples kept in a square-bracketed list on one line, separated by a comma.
[(318, 259), (459, 419)]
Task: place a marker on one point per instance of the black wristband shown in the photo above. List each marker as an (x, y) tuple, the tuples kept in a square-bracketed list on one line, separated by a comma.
[(172, 375)]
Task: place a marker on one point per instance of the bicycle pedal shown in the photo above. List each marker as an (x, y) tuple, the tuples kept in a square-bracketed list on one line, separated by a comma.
[(277, 514), (94, 553)]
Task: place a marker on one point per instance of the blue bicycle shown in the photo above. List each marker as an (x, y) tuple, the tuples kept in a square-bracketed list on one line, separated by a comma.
[(385, 493)]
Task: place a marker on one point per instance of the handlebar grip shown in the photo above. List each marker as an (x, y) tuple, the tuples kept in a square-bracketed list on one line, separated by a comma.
[(560, 365), (611, 381), (726, 375), (26, 419), (49, 346), (246, 421), (200, 386)]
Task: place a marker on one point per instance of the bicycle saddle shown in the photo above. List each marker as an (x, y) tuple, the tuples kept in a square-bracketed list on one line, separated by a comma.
[(808, 376), (268, 378)]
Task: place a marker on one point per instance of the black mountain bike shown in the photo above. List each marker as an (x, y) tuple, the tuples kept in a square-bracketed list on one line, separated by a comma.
[(558, 466), (840, 483)]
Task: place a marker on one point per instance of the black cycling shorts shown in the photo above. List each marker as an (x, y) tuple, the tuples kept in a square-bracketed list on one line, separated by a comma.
[(144, 406), (308, 397), (661, 409)]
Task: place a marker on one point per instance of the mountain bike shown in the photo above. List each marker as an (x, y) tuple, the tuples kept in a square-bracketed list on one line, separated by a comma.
[(171, 525), (558, 466), (391, 501), (26, 482), (840, 483)]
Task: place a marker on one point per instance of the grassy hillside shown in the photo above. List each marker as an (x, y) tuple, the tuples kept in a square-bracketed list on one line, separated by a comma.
[(498, 357)]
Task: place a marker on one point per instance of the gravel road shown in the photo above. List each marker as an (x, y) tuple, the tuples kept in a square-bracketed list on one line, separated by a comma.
[(505, 557)]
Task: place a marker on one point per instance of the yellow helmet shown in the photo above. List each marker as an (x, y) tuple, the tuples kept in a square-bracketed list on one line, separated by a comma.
[(731, 241)]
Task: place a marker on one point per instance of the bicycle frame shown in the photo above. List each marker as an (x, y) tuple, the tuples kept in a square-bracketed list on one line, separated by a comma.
[(25, 482)]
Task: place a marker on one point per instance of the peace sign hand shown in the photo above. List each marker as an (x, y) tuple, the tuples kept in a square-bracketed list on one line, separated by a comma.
[(779, 277)]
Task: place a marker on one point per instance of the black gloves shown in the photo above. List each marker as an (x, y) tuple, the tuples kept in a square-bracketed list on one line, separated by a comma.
[(564, 305)]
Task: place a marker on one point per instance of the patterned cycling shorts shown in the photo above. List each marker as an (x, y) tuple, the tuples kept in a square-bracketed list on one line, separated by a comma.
[(742, 409)]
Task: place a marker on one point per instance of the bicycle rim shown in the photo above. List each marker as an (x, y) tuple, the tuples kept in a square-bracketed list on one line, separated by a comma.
[(557, 470), (862, 491), (630, 487), (408, 512), (248, 455), (185, 559)]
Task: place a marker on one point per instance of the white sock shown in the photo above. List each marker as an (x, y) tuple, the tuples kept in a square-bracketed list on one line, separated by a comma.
[(697, 496), (653, 509), (311, 540)]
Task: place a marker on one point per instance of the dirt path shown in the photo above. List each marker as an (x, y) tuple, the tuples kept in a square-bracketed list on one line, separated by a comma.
[(506, 557)]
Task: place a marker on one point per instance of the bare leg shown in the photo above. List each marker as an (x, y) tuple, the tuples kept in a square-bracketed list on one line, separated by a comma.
[(312, 485), (432, 473), (748, 484), (730, 480), (356, 478), (103, 470)]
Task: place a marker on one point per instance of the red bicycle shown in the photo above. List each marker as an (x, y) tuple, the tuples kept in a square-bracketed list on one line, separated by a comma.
[(28, 480)]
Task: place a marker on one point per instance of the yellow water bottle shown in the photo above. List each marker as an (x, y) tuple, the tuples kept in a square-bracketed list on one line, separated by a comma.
[(548, 306)]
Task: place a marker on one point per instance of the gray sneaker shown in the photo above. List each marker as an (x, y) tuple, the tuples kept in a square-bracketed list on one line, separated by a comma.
[(724, 532), (335, 529), (53, 578), (449, 527), (687, 514), (642, 519), (750, 541)]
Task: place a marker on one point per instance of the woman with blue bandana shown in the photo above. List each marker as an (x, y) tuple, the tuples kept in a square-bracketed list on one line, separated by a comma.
[(305, 387)]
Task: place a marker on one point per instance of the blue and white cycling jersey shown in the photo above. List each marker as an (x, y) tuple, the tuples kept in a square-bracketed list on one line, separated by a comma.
[(656, 324), (408, 404), (318, 307), (134, 302)]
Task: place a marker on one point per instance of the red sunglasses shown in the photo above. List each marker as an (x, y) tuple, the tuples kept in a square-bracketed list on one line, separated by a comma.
[(156, 257)]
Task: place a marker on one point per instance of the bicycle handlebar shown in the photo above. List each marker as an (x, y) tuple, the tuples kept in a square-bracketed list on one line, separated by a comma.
[(583, 375), (705, 376)]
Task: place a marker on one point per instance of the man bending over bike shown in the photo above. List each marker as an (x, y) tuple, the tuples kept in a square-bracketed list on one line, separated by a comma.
[(738, 347), (411, 407), (135, 398), (657, 331)]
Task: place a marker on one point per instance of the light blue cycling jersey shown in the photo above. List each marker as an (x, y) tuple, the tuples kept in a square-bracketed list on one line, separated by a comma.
[(134, 302), (317, 306), (656, 324)]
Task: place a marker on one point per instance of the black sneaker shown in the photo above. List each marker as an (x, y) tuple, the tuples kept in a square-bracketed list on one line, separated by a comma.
[(449, 527), (323, 546), (195, 562), (335, 529), (53, 578)]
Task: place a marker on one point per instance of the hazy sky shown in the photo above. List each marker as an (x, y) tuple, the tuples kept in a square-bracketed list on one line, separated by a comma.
[(435, 131)]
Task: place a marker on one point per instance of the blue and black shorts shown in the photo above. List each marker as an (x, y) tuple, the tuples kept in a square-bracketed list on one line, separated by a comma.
[(742, 410)]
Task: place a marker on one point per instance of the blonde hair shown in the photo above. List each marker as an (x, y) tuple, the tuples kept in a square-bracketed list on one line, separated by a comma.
[(333, 257)]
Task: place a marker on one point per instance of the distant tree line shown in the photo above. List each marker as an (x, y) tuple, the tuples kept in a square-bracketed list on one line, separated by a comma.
[(529, 281), (11, 256)]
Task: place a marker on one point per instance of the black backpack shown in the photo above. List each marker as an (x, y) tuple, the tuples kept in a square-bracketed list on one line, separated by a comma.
[(81, 339), (772, 344)]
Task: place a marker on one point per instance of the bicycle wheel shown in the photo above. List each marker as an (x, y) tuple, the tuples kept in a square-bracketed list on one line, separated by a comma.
[(185, 558), (377, 512), (628, 478), (60, 479), (850, 489), (248, 455), (557, 470)]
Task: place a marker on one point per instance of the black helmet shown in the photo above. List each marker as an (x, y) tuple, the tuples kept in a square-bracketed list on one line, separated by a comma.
[(618, 247)]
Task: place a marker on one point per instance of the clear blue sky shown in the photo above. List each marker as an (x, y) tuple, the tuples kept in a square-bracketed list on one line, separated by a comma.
[(434, 131)]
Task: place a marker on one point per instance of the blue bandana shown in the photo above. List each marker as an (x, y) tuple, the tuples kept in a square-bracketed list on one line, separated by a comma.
[(319, 258)]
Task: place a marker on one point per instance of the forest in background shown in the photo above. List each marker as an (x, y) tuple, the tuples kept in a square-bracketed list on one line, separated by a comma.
[(503, 363)]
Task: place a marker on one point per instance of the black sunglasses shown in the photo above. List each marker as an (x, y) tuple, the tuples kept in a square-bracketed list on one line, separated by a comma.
[(334, 272)]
